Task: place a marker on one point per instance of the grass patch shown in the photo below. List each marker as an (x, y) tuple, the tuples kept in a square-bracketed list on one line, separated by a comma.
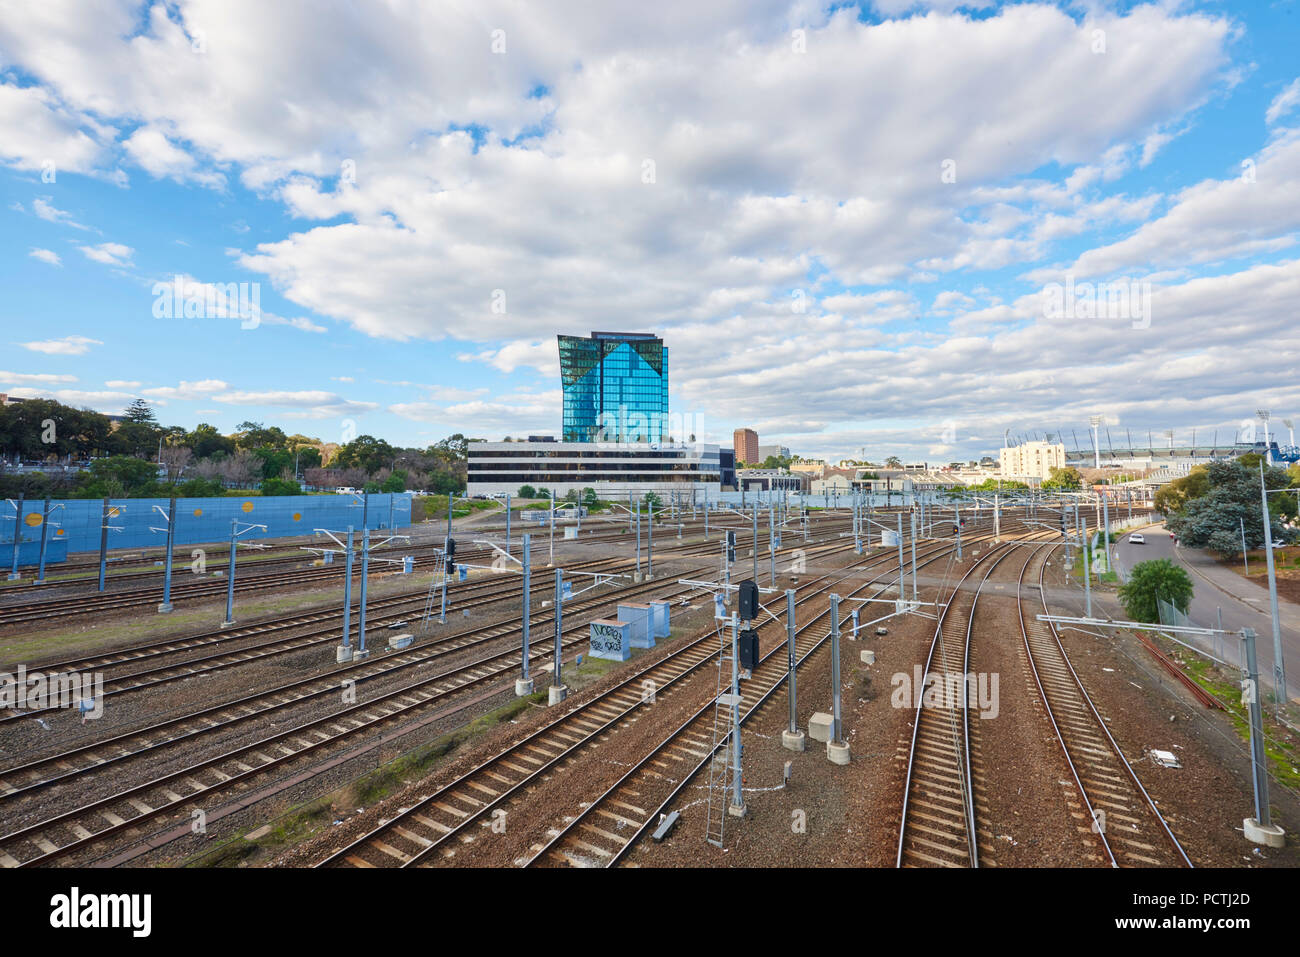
[(1280, 743)]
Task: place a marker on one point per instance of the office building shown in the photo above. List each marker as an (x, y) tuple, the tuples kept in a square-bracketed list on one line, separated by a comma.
[(614, 472), (746, 446), (615, 387)]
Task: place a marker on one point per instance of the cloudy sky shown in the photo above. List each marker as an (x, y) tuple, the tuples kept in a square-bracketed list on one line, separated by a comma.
[(854, 225)]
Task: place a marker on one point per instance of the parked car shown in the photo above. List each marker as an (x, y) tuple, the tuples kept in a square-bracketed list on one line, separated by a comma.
[(1136, 539)]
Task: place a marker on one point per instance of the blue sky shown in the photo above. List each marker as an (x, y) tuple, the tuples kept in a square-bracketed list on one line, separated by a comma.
[(842, 219)]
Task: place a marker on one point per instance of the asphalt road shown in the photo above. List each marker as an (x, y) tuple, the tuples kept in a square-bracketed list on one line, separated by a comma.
[(1220, 591)]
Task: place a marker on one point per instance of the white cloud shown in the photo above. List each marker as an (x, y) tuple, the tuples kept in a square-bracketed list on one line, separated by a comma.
[(151, 149), (46, 256), (46, 210), (121, 384), (110, 254), (38, 378), (1284, 102), (310, 404), (66, 346), (188, 390)]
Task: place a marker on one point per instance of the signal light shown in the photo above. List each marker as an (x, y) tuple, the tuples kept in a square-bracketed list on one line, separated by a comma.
[(748, 649), (748, 606)]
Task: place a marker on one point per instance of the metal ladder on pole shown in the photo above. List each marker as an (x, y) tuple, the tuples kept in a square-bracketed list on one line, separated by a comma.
[(434, 599), (720, 764)]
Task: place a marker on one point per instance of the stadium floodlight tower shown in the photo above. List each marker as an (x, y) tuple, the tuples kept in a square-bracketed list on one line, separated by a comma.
[(1290, 427), (1264, 416), (1095, 421)]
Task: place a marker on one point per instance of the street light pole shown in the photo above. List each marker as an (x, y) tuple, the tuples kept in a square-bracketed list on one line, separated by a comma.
[(1279, 664)]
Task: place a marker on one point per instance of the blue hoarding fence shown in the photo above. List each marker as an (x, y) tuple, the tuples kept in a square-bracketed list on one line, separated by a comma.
[(198, 521)]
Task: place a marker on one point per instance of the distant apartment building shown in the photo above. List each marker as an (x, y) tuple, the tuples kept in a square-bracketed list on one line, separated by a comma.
[(1032, 460), (769, 451), (746, 446)]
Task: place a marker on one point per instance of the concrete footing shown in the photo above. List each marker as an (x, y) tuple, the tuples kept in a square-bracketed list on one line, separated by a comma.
[(523, 687), (342, 653), (557, 694), (867, 657), (165, 608), (1256, 833), (360, 655), (737, 810), (794, 740), (819, 726), (837, 753), (227, 624)]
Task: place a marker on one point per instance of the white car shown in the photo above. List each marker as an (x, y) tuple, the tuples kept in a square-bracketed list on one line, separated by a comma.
[(1136, 540)]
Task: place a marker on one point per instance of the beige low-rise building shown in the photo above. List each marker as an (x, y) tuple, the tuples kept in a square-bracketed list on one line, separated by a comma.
[(1032, 460)]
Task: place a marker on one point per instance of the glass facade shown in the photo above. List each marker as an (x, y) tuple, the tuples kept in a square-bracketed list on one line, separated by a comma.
[(615, 387)]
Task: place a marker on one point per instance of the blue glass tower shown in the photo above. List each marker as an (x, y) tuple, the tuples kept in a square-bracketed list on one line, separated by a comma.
[(615, 387)]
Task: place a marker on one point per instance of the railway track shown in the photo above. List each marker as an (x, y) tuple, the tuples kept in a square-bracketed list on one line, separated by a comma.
[(123, 812), (254, 579), (1121, 816), (943, 797), (381, 614), (436, 822)]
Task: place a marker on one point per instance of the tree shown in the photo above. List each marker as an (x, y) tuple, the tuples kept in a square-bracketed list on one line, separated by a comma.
[(140, 412), (1067, 479), (1215, 519), (1172, 497), (308, 457), (119, 477), (175, 458), (527, 491), (276, 486), (365, 452), (589, 498), (396, 482), (1151, 580), (893, 462), (205, 441)]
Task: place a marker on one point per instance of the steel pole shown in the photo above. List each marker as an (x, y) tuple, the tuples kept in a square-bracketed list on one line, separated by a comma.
[(347, 593), (650, 541), (527, 596), (902, 581), (230, 574), (1258, 759), (1279, 664), (559, 628), (914, 525), (365, 582), (45, 533), (18, 537), (166, 606), (737, 779), (790, 659), (836, 733), (103, 545)]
